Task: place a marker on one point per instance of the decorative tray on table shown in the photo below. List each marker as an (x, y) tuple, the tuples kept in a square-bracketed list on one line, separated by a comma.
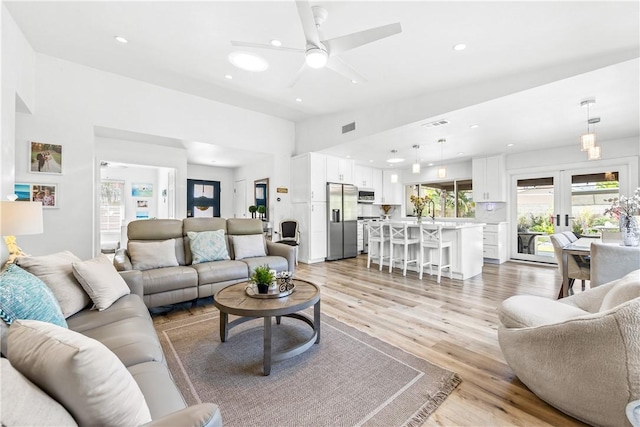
[(282, 290)]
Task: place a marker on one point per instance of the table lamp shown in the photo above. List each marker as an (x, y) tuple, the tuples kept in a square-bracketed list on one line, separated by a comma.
[(19, 219)]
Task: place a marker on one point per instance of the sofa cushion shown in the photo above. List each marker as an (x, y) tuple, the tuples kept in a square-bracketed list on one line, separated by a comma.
[(23, 403), (101, 281), (208, 246), (625, 289), (277, 263), (24, 296), (156, 383), (248, 246), (149, 255), (77, 371), (127, 307), (133, 340), (522, 311), (56, 272), (169, 279), (220, 271)]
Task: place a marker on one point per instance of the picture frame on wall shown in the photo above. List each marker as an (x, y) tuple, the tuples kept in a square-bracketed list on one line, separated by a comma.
[(47, 194), (45, 158), (141, 189), (142, 203), (142, 214)]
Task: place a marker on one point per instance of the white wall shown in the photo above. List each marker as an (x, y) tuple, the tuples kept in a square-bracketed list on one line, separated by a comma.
[(225, 176), (71, 99)]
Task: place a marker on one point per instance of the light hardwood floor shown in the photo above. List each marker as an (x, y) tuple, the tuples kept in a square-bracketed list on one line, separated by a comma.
[(453, 324)]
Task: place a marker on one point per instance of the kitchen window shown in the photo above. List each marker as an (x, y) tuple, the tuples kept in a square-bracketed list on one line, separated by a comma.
[(452, 199)]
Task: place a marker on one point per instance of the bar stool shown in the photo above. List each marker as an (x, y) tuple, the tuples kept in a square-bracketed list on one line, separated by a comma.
[(431, 239), (378, 237), (399, 235)]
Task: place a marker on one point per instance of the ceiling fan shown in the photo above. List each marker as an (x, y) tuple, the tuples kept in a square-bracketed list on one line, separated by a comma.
[(323, 53)]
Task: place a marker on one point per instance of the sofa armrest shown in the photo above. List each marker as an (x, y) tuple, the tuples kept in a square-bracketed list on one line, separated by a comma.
[(121, 260), (285, 251), (202, 415), (133, 278)]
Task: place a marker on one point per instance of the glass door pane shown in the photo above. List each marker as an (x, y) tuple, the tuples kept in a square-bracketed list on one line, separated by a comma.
[(535, 204), (590, 196)]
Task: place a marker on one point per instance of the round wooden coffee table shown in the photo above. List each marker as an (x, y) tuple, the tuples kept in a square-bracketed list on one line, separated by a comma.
[(234, 300)]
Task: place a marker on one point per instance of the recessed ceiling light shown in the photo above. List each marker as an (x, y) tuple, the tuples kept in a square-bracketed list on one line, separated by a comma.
[(228, 76), (121, 39), (348, 157), (370, 161), (276, 43), (460, 153), (298, 99), (474, 126), (430, 164), (355, 82), (248, 61), (510, 145), (460, 46)]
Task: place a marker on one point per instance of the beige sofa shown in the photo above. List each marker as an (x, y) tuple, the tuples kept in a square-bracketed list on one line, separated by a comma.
[(167, 283), (580, 354), (29, 396)]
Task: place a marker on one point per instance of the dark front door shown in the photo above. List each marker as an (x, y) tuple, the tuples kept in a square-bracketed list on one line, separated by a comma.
[(203, 198)]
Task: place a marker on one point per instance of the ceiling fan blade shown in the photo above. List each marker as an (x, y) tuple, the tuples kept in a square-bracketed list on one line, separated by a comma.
[(342, 44), (266, 46), (295, 79), (339, 66), (308, 22)]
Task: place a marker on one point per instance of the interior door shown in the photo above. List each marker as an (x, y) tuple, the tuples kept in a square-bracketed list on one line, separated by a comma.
[(240, 199)]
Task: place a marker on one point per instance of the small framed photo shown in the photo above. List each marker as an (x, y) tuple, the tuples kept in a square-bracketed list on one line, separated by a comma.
[(47, 194), (45, 158), (142, 214), (142, 203), (141, 190)]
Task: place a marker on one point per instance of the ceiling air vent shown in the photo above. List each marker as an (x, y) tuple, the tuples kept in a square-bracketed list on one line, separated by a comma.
[(348, 128), (436, 123)]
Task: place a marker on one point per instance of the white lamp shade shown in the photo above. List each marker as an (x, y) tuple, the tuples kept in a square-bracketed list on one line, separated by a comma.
[(587, 141), (20, 218), (416, 168), (442, 172), (394, 178), (594, 153)]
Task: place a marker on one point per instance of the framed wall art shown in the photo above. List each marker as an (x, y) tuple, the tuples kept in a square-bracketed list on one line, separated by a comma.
[(45, 158), (141, 190), (45, 193)]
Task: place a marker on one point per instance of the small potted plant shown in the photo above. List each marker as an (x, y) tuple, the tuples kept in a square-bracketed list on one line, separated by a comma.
[(262, 210), (262, 277), (253, 209)]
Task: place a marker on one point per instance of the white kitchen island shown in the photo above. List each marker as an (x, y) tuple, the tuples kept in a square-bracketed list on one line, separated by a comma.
[(466, 246)]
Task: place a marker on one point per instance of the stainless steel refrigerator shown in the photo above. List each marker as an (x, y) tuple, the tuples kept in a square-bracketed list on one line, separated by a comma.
[(342, 218)]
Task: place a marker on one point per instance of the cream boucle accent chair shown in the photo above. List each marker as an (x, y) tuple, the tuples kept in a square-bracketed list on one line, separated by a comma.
[(580, 354)]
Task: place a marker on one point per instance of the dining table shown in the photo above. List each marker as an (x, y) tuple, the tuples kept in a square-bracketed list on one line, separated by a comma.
[(579, 248)]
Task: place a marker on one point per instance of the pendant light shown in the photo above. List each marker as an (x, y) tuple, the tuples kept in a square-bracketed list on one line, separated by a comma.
[(442, 171), (391, 161), (416, 166), (588, 140)]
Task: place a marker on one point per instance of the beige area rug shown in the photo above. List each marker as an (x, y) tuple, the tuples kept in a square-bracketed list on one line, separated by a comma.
[(348, 379)]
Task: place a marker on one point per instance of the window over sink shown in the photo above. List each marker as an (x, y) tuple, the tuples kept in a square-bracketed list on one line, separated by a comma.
[(452, 199)]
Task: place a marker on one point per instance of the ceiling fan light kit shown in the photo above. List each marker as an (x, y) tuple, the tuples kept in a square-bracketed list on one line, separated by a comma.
[(324, 53)]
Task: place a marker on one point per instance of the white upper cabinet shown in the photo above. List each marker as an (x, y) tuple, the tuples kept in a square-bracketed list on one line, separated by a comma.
[(308, 179), (376, 179), (340, 170), (392, 193), (489, 179), (363, 177)]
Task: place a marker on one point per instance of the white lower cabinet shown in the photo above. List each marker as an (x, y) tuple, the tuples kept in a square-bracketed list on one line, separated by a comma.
[(494, 241), (312, 218)]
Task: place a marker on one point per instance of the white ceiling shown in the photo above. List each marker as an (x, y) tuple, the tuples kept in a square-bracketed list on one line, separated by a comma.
[(184, 46)]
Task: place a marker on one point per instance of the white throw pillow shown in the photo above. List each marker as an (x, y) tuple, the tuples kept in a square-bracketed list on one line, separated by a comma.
[(207, 246), (249, 246), (56, 272), (149, 255), (101, 281), (78, 372)]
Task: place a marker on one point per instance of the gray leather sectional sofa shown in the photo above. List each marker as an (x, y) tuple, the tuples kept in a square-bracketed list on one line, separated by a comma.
[(125, 328), (187, 281)]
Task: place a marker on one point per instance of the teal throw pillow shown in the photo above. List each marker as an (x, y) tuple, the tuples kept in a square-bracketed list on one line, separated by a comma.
[(24, 296), (208, 246)]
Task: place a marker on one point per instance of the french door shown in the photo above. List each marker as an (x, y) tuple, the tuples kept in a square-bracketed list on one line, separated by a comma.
[(574, 200)]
